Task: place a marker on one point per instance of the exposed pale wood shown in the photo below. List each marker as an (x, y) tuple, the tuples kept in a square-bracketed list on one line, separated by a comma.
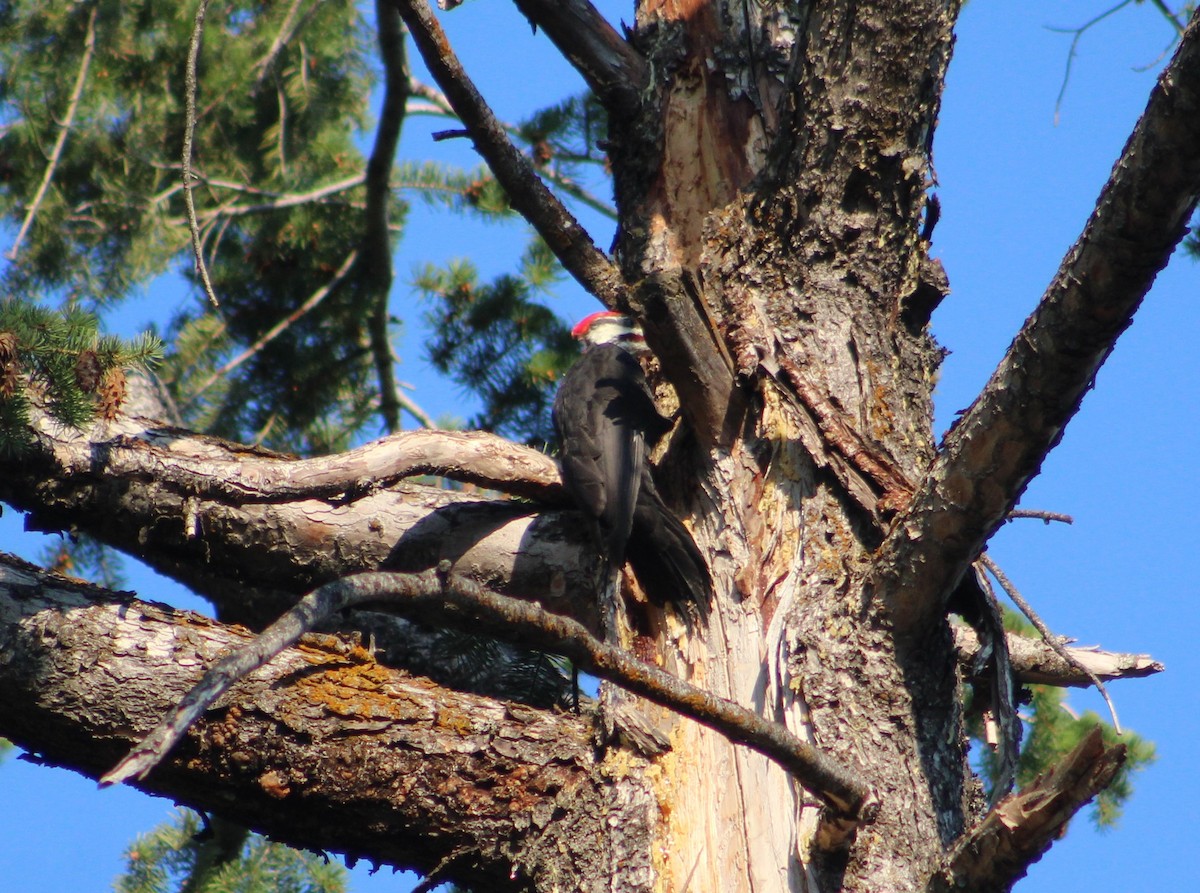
[(1036, 663)]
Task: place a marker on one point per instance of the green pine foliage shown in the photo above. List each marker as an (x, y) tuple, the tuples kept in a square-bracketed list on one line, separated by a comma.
[(279, 197), (84, 557), (496, 342), (1052, 730), (60, 359), (177, 856), (282, 101)]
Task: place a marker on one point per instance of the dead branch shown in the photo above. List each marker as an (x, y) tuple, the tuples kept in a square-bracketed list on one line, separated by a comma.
[(1048, 636), (1036, 663), (615, 71), (242, 476), (998, 445), (1071, 52), (157, 492), (1013, 835), (445, 599), (568, 240), (376, 246), (191, 87), (1040, 515), (60, 142)]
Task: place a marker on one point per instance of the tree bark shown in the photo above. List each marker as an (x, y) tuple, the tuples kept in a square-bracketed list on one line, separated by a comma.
[(771, 164), (324, 748)]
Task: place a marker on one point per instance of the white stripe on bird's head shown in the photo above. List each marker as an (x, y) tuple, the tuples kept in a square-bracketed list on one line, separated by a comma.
[(608, 327)]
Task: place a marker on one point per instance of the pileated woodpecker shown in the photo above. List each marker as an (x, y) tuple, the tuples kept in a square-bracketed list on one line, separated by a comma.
[(607, 423)]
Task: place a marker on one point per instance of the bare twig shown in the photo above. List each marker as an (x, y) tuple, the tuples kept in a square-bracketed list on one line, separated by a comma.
[(1052, 640), (280, 327), (412, 407), (189, 133), (437, 105), (1040, 515), (529, 195), (277, 201), (448, 599), (1078, 35), (430, 94), (64, 128), (1171, 17)]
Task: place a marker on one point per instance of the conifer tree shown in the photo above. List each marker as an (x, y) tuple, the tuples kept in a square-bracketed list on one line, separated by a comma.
[(773, 239)]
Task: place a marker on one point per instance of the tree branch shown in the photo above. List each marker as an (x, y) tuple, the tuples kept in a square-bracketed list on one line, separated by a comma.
[(160, 493), (994, 450), (443, 599), (568, 240), (376, 250), (1036, 663), (277, 200), (191, 87), (614, 70), (64, 128), (324, 749), (1055, 643), (999, 850)]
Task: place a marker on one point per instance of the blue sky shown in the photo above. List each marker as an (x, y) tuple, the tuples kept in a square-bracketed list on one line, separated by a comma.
[(1016, 189)]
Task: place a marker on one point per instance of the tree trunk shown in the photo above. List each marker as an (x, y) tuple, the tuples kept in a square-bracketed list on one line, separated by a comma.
[(792, 162), (771, 163)]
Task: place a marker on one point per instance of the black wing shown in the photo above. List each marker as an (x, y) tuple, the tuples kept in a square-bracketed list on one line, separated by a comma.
[(602, 411)]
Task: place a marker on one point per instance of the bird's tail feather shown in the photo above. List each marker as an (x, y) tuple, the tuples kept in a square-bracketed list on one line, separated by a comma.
[(666, 559)]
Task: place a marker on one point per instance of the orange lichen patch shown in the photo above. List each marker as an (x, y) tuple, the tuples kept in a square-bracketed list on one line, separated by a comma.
[(274, 785), (361, 691), (454, 720), (883, 421), (323, 649)]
